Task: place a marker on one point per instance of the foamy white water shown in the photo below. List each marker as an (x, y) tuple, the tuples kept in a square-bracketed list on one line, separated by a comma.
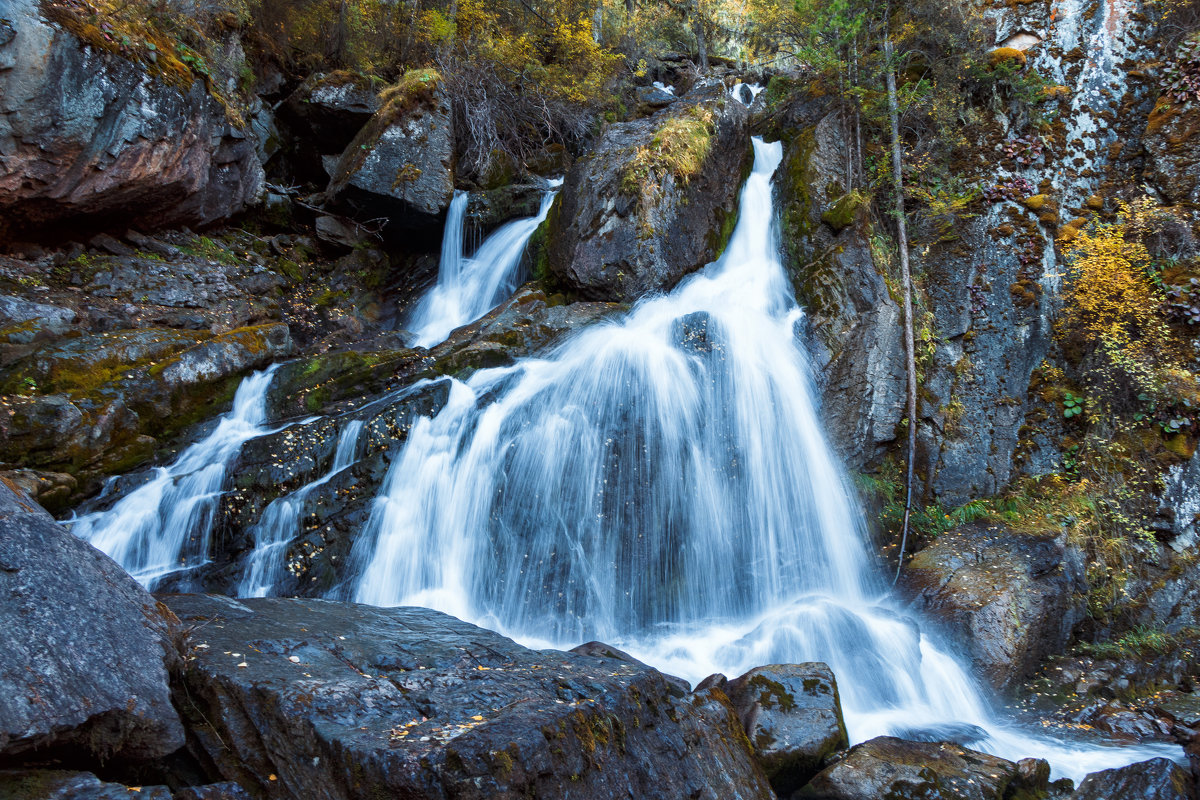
[(280, 521), (467, 288), (165, 525), (662, 483)]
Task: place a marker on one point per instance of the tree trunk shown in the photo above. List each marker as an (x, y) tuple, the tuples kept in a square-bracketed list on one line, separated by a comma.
[(701, 40), (906, 280)]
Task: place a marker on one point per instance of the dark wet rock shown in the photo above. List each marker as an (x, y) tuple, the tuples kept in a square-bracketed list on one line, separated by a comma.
[(403, 157), (90, 137), (66, 785), (51, 490), (602, 650), (83, 649), (490, 209), (887, 767), (854, 325), (1013, 598), (1156, 779), (226, 790), (651, 98), (324, 114), (340, 701), (611, 238), (793, 717)]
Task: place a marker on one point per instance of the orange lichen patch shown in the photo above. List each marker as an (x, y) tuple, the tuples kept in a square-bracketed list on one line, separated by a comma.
[(1055, 92), (1002, 55)]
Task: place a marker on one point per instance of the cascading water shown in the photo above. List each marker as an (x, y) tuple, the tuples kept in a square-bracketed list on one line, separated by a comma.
[(662, 483), (467, 288), (280, 521), (164, 525)]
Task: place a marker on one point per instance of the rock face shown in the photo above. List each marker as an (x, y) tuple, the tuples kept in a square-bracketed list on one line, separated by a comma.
[(1013, 598), (1156, 779), (66, 785), (615, 236), (307, 698), (854, 325), (90, 138), (886, 767), (403, 156), (92, 404), (1173, 145), (793, 717), (83, 648)]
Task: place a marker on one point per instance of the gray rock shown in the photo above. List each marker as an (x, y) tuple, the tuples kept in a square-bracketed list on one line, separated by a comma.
[(65, 785), (793, 716), (1156, 779), (854, 326), (328, 109), (1174, 150), (83, 648), (339, 701), (887, 767), (22, 321), (87, 134), (610, 240), (226, 790), (651, 98), (1012, 598), (404, 155)]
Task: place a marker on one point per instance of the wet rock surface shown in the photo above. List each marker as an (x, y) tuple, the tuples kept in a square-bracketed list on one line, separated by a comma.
[(317, 699), (1156, 779), (91, 138), (888, 767), (606, 244), (84, 650), (1012, 598), (793, 717)]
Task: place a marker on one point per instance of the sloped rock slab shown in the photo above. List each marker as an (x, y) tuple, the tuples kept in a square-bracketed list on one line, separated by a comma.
[(1156, 779), (82, 647), (316, 699)]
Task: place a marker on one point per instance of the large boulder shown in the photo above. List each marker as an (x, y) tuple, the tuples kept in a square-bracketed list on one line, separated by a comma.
[(886, 767), (54, 784), (404, 156), (1013, 598), (1156, 779), (793, 717), (654, 200), (309, 698), (88, 136), (84, 650)]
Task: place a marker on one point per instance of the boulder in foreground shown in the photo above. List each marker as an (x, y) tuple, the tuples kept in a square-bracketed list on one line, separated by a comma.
[(316, 699)]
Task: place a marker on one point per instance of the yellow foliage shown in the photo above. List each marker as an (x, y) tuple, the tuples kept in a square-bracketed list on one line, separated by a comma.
[(1110, 299), (1002, 55)]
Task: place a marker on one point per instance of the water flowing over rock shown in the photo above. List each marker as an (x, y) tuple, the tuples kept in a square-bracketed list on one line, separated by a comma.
[(90, 138), (598, 239), (660, 482), (1012, 598), (83, 649), (344, 701), (467, 287)]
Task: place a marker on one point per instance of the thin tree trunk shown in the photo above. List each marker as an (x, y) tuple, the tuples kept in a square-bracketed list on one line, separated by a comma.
[(598, 22), (906, 280), (701, 41)]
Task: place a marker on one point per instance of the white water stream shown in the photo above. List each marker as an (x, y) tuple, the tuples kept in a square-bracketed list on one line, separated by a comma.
[(280, 521), (662, 483), (164, 525), (469, 287)]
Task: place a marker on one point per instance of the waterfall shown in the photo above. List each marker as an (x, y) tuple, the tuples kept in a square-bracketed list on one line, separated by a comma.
[(280, 521), (164, 525), (661, 482), (467, 288)]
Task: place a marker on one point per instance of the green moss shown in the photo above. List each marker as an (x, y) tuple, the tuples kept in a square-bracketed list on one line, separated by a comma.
[(844, 211), (679, 147)]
